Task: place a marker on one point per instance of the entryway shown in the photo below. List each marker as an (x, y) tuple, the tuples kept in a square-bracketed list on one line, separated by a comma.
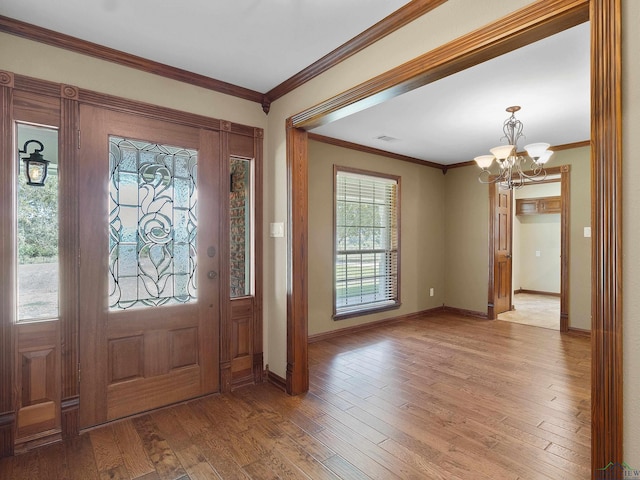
[(535, 310)]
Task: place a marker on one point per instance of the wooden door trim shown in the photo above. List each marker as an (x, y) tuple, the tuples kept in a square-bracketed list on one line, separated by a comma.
[(491, 281), (526, 25), (606, 221), (7, 302), (297, 261), (69, 98), (522, 27), (565, 252)]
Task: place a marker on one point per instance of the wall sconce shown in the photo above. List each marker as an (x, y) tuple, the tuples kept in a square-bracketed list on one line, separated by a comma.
[(35, 165)]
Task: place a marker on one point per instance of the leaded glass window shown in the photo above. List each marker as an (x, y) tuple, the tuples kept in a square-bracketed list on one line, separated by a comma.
[(152, 224)]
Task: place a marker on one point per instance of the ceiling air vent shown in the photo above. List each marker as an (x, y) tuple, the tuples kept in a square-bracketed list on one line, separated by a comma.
[(385, 138)]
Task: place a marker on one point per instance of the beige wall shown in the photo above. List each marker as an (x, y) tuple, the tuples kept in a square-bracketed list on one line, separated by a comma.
[(447, 22), (467, 238), (422, 236), (579, 246), (631, 228)]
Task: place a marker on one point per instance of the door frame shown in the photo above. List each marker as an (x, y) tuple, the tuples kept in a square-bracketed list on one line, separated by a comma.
[(565, 217), (531, 23), (59, 104), (493, 275)]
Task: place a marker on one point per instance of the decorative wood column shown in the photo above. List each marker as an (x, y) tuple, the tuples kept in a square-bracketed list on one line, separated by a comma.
[(606, 220), (297, 270), (7, 300), (69, 259)]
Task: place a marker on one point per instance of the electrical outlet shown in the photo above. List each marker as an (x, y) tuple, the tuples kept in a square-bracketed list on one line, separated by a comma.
[(431, 292)]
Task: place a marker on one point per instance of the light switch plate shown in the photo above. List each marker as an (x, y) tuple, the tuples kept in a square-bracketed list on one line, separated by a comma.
[(276, 229), (587, 232)]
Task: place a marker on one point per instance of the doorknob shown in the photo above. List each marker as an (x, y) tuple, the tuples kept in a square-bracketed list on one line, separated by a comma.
[(508, 255), (211, 274)]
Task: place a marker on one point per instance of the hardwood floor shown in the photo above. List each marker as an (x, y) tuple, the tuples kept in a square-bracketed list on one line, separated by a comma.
[(439, 398), (535, 310)]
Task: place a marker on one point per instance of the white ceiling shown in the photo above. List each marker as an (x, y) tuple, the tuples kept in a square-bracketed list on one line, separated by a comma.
[(258, 44), (460, 117)]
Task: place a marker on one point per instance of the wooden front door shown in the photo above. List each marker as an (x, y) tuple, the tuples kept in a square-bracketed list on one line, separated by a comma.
[(502, 222), (149, 243)]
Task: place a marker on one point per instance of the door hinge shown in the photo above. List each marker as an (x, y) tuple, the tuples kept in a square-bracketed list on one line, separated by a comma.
[(79, 371), (78, 139)]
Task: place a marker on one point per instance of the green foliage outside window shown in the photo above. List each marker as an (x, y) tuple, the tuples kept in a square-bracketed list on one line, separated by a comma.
[(38, 221)]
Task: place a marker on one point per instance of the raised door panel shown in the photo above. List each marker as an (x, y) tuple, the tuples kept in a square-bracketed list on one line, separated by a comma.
[(502, 251), (149, 215)]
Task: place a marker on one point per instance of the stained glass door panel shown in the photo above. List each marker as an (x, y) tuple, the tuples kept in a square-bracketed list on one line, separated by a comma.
[(149, 303)]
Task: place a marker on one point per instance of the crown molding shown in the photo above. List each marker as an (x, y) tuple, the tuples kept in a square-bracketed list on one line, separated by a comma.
[(384, 27), (389, 24), (67, 42)]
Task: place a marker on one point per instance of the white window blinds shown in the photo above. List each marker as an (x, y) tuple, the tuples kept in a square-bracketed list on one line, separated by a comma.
[(366, 242)]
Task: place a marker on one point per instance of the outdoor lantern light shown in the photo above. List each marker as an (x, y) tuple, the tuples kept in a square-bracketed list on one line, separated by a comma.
[(35, 165)]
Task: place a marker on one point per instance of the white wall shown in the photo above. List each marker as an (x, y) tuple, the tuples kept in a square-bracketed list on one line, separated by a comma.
[(536, 244)]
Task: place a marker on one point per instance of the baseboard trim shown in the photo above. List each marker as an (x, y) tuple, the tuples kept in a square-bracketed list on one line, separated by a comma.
[(536, 292), (276, 380), (318, 337), (38, 440), (465, 313), (580, 332)]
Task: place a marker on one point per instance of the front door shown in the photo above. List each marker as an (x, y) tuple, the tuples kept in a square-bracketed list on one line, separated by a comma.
[(149, 242), (502, 222)]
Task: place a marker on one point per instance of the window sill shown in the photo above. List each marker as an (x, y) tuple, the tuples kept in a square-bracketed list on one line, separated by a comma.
[(368, 311)]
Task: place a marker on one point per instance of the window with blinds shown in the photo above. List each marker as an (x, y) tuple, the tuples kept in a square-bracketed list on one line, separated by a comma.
[(367, 221)]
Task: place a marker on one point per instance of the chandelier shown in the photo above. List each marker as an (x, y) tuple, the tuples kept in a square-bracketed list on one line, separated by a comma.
[(514, 169)]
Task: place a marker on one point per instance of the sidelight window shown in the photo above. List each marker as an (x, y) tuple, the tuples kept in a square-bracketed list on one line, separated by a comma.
[(366, 242), (241, 228), (37, 224)]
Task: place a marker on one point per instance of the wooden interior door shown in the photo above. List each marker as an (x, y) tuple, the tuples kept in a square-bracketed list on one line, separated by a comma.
[(502, 225), (149, 243)]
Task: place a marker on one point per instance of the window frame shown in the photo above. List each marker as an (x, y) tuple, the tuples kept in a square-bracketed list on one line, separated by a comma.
[(370, 308)]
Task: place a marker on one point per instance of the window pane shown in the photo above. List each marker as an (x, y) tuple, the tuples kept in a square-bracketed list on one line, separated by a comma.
[(241, 224), (366, 242), (152, 224), (37, 229)]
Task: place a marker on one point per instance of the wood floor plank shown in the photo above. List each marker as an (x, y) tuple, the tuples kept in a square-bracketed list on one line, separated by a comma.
[(196, 464), (107, 454), (81, 461), (160, 453), (441, 397), (53, 462)]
